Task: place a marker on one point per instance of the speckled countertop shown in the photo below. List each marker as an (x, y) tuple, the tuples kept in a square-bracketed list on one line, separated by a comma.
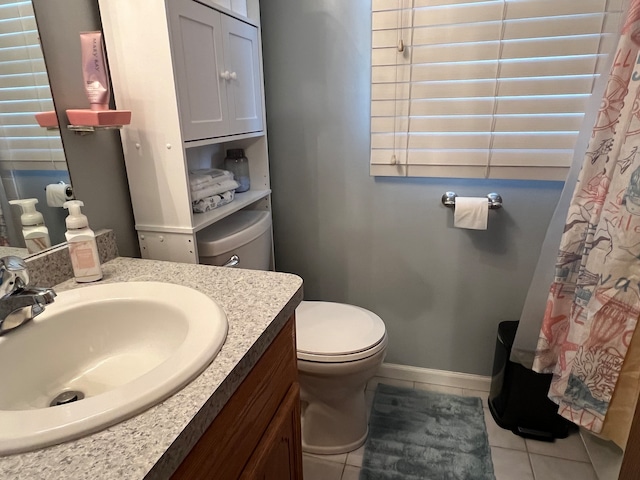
[(151, 445)]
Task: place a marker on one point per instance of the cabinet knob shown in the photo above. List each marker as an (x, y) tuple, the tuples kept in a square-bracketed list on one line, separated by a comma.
[(233, 76), (225, 75)]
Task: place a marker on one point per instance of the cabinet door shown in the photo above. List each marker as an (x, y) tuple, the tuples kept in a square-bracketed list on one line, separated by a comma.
[(278, 456), (242, 61), (267, 397), (197, 47)]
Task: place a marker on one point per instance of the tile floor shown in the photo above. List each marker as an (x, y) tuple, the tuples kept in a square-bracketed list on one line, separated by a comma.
[(514, 458)]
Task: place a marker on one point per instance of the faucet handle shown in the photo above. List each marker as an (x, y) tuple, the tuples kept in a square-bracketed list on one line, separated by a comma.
[(14, 275)]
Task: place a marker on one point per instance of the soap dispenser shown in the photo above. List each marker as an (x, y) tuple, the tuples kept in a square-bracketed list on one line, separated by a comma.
[(34, 231), (82, 244)]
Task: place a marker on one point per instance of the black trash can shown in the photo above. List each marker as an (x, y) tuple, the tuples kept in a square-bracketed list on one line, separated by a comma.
[(518, 398)]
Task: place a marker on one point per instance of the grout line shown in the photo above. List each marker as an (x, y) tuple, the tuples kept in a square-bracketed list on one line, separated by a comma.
[(561, 458), (526, 448), (512, 449), (533, 473)]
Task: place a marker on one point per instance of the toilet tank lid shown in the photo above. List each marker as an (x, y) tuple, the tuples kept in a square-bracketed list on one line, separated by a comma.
[(233, 232), (325, 328)]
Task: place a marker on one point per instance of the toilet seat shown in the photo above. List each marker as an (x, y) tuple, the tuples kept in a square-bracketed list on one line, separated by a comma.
[(329, 332)]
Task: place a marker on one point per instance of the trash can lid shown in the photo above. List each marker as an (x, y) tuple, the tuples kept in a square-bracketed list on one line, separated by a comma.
[(507, 332)]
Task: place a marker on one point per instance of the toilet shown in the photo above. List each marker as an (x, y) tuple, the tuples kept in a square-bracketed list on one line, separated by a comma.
[(340, 346)]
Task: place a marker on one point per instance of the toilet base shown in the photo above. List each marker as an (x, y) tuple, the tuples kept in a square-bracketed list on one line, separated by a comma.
[(334, 423), (335, 449), (334, 408)]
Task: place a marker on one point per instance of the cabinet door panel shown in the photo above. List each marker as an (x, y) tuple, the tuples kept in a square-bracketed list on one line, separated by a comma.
[(242, 59), (226, 446), (197, 48), (278, 456)]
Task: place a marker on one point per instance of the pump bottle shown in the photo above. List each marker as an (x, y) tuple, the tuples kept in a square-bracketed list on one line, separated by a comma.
[(82, 244), (34, 231)]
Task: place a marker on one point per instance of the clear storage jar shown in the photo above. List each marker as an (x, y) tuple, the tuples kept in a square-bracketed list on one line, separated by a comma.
[(237, 163)]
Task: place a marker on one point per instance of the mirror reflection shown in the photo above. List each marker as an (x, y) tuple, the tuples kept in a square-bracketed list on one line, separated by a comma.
[(32, 160)]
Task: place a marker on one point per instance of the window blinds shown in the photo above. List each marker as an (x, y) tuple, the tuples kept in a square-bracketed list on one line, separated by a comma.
[(483, 88), (24, 91)]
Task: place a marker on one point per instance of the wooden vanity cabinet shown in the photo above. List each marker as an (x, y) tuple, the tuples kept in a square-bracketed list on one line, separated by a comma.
[(278, 454), (257, 433)]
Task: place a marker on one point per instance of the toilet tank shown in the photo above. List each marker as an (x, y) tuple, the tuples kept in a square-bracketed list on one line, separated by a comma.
[(246, 233)]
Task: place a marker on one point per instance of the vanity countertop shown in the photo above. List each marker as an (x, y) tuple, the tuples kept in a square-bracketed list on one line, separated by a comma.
[(151, 445)]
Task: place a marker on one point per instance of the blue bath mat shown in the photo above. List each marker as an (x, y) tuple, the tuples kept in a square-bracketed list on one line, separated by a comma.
[(415, 435)]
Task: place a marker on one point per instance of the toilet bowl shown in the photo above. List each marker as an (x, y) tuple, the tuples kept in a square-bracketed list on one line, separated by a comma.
[(340, 347)]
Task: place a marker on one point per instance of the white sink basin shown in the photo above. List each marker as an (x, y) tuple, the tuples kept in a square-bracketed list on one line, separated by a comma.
[(125, 346)]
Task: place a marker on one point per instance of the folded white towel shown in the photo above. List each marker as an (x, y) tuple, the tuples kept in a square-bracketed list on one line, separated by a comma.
[(209, 182), (214, 201), (214, 189), (207, 176)]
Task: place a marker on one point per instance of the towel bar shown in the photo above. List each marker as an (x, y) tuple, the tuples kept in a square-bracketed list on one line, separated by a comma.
[(494, 199)]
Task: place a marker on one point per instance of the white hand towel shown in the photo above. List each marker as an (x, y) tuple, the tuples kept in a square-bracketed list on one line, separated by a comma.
[(207, 176), (207, 182), (215, 189), (471, 212)]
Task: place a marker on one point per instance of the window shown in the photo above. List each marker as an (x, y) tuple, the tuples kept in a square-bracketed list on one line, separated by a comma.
[(484, 88), (24, 91)]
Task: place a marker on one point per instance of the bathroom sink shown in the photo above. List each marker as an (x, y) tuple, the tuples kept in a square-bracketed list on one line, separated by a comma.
[(101, 354)]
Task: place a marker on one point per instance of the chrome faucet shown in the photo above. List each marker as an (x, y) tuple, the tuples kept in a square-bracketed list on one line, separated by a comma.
[(19, 303)]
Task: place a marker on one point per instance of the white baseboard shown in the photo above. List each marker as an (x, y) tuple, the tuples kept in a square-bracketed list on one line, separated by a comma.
[(438, 377)]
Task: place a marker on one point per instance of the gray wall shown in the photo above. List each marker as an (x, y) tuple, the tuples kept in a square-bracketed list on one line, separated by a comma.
[(386, 244), (95, 162)]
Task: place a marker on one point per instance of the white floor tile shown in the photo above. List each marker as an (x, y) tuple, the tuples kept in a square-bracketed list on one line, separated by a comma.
[(606, 456), (431, 387), (499, 437), (355, 458), (552, 468), (388, 381), (570, 448), (477, 393), (314, 468), (350, 473), (340, 458), (511, 464)]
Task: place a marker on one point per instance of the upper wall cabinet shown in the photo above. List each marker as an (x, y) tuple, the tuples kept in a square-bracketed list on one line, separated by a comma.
[(242, 60), (217, 65), (238, 7)]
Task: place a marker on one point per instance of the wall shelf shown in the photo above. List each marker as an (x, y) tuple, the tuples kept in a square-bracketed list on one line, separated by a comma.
[(86, 129), (203, 220), (224, 139), (241, 200)]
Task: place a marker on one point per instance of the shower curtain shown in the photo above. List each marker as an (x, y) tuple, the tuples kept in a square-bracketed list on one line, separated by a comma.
[(594, 300)]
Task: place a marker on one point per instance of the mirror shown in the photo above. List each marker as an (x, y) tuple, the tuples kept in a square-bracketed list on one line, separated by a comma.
[(31, 157)]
